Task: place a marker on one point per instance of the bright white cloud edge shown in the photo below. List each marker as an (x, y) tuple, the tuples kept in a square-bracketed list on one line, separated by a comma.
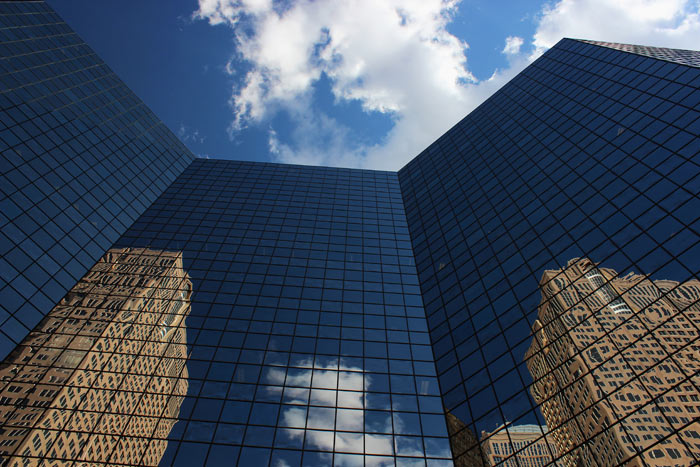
[(397, 57)]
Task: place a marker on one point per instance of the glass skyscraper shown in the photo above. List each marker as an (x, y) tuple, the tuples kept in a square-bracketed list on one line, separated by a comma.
[(524, 292), (82, 158)]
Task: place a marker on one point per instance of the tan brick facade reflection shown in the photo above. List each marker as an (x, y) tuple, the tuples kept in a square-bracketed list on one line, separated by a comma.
[(102, 377), (464, 443), (519, 445), (603, 377)]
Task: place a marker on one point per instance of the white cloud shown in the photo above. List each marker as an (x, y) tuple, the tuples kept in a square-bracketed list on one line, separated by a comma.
[(188, 134), (305, 421), (397, 57), (662, 23), (315, 139), (513, 44)]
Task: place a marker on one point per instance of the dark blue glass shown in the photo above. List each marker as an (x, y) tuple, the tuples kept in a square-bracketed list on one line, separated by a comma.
[(82, 157), (559, 164), (475, 308)]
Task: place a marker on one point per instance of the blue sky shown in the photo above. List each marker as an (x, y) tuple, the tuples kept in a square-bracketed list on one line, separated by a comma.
[(357, 83)]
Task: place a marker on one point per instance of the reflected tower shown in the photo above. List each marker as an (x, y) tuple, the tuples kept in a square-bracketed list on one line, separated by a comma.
[(464, 443), (518, 445), (341, 313), (102, 378), (615, 362)]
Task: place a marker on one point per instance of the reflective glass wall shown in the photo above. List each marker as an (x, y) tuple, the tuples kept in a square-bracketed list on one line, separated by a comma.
[(82, 158), (101, 379), (556, 232), (525, 292), (307, 340)]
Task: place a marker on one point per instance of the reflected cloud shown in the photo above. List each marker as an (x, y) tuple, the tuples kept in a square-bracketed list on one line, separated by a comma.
[(331, 397)]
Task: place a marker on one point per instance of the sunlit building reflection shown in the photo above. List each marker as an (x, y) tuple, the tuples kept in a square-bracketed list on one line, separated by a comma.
[(616, 369), (464, 443), (519, 445), (101, 379)]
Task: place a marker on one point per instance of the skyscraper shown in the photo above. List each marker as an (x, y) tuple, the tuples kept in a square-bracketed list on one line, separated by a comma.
[(345, 316), (310, 334), (591, 151), (82, 158)]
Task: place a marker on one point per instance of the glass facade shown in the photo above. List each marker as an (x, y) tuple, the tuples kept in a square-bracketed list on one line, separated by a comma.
[(307, 337), (588, 157), (523, 293), (82, 158), (102, 378)]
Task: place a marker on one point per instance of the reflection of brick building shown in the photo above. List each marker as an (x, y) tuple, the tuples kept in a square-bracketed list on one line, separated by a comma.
[(599, 358), (526, 443), (102, 377), (464, 443)]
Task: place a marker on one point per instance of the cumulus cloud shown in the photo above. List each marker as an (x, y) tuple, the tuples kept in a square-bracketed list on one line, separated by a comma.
[(662, 23), (513, 44), (397, 58), (335, 403), (394, 57), (316, 139)]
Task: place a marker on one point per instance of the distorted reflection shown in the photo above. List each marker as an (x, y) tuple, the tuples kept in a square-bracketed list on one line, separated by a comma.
[(519, 445), (464, 443), (103, 376), (334, 401), (330, 405), (615, 367)]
